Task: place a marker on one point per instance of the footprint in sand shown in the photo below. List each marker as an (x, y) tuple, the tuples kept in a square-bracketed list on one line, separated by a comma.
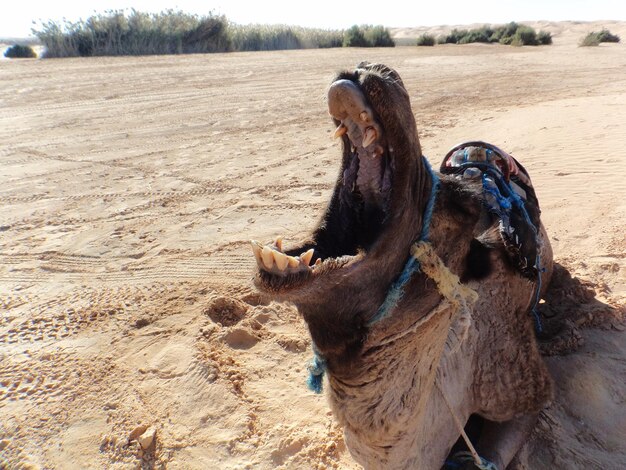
[(240, 338), (226, 311)]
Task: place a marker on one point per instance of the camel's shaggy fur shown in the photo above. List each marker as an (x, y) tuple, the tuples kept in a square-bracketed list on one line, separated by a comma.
[(385, 387)]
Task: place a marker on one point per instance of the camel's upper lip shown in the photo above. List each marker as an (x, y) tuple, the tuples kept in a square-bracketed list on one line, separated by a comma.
[(349, 107)]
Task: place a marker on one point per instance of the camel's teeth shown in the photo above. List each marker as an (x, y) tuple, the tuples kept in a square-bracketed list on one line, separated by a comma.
[(318, 261), (293, 262), (281, 259), (364, 116), (256, 249), (306, 257), (268, 259), (369, 137), (341, 130), (279, 243)]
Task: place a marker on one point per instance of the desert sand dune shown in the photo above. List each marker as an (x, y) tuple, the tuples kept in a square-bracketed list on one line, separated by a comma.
[(130, 187)]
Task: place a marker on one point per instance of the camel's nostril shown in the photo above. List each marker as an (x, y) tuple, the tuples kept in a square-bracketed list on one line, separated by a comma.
[(345, 99)]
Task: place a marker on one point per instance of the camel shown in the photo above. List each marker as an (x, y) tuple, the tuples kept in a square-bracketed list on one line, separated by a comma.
[(416, 309)]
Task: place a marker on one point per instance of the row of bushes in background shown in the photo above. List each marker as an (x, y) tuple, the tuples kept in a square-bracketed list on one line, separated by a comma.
[(513, 34), (176, 32), (594, 39)]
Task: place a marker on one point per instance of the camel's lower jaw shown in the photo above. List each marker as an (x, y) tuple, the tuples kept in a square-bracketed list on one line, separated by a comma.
[(279, 272)]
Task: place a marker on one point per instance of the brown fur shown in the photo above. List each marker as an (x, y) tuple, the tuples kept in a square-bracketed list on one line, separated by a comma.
[(485, 360)]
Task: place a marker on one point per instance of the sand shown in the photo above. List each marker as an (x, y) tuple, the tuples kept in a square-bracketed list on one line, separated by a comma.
[(129, 188)]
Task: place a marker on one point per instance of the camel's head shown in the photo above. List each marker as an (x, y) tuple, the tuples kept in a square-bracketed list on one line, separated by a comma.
[(374, 215)]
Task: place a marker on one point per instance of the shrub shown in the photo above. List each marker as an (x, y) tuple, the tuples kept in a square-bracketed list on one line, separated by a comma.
[(20, 52), (426, 40), (504, 34), (525, 36), (354, 37), (477, 35), (454, 37), (606, 36), (509, 34), (378, 36), (594, 38), (544, 38), (590, 40), (367, 36)]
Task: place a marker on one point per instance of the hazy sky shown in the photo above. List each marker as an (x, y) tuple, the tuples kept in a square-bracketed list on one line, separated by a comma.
[(17, 16)]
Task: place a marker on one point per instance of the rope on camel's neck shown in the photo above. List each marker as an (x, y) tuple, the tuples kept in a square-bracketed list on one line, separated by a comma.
[(317, 367)]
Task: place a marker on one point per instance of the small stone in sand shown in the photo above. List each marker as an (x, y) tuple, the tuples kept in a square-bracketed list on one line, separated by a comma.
[(146, 439), (135, 433)]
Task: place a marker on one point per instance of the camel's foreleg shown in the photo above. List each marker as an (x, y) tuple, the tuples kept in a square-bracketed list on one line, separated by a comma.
[(499, 442)]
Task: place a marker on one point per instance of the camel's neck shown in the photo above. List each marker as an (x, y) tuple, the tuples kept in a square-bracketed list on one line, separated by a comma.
[(337, 306), (391, 390)]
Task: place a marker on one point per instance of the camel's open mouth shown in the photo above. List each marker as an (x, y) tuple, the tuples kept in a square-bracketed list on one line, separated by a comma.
[(368, 173), (364, 194)]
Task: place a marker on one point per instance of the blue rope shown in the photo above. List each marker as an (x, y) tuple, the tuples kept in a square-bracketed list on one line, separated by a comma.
[(430, 206), (318, 365), (317, 368)]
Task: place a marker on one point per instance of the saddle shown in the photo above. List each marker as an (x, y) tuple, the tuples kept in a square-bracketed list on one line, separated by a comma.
[(508, 196)]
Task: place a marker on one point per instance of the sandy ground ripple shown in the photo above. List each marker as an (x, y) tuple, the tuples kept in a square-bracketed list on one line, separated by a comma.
[(129, 188)]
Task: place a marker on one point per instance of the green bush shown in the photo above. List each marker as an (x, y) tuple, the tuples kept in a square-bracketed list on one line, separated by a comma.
[(354, 37), (454, 37), (426, 40), (367, 36), (504, 34), (590, 40), (378, 36), (595, 38), (509, 34), (544, 38), (606, 36), (525, 36), (477, 35), (20, 52)]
